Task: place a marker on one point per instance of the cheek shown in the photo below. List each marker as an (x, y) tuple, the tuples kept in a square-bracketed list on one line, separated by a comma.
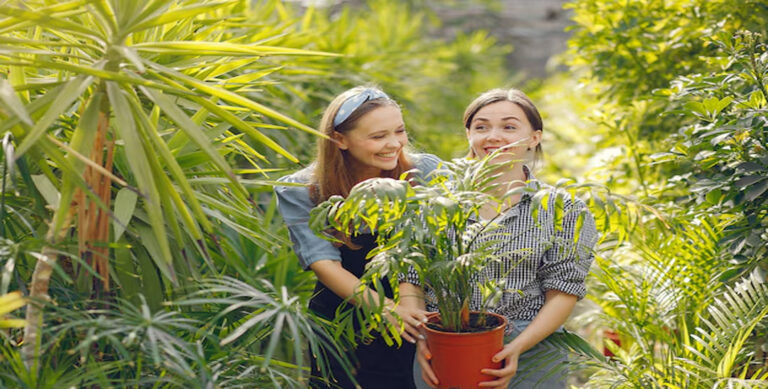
[(474, 139), (403, 139)]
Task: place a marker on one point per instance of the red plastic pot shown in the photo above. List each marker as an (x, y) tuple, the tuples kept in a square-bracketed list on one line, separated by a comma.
[(457, 358)]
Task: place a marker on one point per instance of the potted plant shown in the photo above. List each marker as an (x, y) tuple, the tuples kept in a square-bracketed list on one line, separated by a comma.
[(428, 234)]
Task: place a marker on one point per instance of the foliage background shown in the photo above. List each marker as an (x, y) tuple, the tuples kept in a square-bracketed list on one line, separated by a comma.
[(659, 122)]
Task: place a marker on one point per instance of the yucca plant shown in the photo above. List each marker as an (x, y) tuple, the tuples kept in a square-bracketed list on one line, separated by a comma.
[(130, 114), (253, 320)]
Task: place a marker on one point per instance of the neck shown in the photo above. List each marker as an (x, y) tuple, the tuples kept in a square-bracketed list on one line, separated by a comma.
[(362, 173), (509, 178)]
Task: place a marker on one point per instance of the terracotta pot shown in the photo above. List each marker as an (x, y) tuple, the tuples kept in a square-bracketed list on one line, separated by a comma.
[(457, 358), (613, 336)]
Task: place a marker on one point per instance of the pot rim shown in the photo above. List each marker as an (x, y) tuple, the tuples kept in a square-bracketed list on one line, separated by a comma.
[(501, 326)]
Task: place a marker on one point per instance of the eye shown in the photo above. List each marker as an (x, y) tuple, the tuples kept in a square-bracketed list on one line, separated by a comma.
[(510, 127), (400, 131), (378, 136), (480, 127)]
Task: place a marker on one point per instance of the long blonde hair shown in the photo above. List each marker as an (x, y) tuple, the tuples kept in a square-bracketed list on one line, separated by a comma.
[(333, 172)]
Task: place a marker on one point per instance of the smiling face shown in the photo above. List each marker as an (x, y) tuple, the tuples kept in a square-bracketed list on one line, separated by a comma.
[(376, 141), (502, 124)]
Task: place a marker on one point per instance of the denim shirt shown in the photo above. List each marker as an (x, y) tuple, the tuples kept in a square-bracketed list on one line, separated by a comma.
[(295, 204)]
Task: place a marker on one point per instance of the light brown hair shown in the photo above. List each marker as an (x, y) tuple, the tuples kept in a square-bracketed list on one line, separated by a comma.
[(514, 96)]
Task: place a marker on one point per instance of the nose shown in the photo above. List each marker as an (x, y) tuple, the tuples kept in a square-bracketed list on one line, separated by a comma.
[(494, 135), (393, 142)]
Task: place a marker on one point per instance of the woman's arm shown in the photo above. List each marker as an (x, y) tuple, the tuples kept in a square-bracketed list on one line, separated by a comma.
[(556, 309), (345, 285)]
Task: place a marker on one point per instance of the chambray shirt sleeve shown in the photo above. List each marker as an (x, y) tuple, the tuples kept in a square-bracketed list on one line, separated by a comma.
[(294, 205), (566, 263), (426, 164)]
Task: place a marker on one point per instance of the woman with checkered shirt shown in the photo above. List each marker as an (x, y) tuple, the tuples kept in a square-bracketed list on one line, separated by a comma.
[(544, 266)]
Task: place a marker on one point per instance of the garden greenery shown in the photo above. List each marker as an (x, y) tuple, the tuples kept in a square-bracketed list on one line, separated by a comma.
[(138, 144)]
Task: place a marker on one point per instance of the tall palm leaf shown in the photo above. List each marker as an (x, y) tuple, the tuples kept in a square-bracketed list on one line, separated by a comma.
[(112, 92)]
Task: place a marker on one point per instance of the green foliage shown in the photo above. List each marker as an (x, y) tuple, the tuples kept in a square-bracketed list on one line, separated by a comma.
[(431, 235), (389, 44), (679, 123), (428, 228), (725, 150)]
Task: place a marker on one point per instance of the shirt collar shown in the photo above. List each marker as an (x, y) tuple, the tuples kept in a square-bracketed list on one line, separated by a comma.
[(532, 184)]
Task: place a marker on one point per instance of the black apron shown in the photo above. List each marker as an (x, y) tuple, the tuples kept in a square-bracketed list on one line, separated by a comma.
[(376, 364)]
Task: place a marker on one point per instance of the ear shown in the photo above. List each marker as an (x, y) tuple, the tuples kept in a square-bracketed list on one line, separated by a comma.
[(340, 140), (535, 139)]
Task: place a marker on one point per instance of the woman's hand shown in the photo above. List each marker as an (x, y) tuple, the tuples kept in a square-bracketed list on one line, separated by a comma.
[(510, 355), (413, 320), (422, 357)]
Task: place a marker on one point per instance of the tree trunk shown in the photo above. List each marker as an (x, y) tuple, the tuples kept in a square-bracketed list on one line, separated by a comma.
[(38, 295)]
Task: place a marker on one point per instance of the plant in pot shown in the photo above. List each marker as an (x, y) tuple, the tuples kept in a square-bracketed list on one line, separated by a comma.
[(429, 235)]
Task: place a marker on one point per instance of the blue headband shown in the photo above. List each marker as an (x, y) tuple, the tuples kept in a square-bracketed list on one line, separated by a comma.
[(353, 103)]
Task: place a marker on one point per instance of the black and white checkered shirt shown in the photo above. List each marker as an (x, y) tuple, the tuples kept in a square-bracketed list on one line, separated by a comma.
[(536, 256)]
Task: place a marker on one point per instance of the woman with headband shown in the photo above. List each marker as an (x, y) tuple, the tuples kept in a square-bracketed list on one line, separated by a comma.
[(366, 139)]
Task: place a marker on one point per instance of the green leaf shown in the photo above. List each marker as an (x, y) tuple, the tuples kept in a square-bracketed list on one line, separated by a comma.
[(236, 99), (64, 100), (187, 13), (714, 106), (713, 196), (44, 18), (222, 48), (151, 283), (131, 55), (126, 274), (757, 100), (125, 204), (240, 124), (148, 239), (150, 128), (137, 158), (194, 132), (756, 190), (9, 98), (746, 181), (47, 189)]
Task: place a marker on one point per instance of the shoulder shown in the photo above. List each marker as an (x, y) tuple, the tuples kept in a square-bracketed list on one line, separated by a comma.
[(296, 186), (303, 176), (555, 196), (425, 163)]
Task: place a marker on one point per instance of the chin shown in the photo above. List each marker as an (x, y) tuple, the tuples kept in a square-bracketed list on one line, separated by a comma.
[(386, 166)]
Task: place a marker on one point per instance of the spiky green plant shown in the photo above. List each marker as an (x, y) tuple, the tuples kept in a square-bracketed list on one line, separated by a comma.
[(131, 114), (680, 325)]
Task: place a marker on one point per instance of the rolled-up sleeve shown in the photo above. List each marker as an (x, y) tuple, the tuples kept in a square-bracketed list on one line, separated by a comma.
[(567, 262), (294, 204)]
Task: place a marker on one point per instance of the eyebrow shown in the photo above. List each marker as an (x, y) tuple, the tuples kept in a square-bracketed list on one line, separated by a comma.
[(503, 119), (402, 126)]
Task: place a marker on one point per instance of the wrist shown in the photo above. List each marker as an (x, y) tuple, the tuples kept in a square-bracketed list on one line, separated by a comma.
[(514, 347)]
